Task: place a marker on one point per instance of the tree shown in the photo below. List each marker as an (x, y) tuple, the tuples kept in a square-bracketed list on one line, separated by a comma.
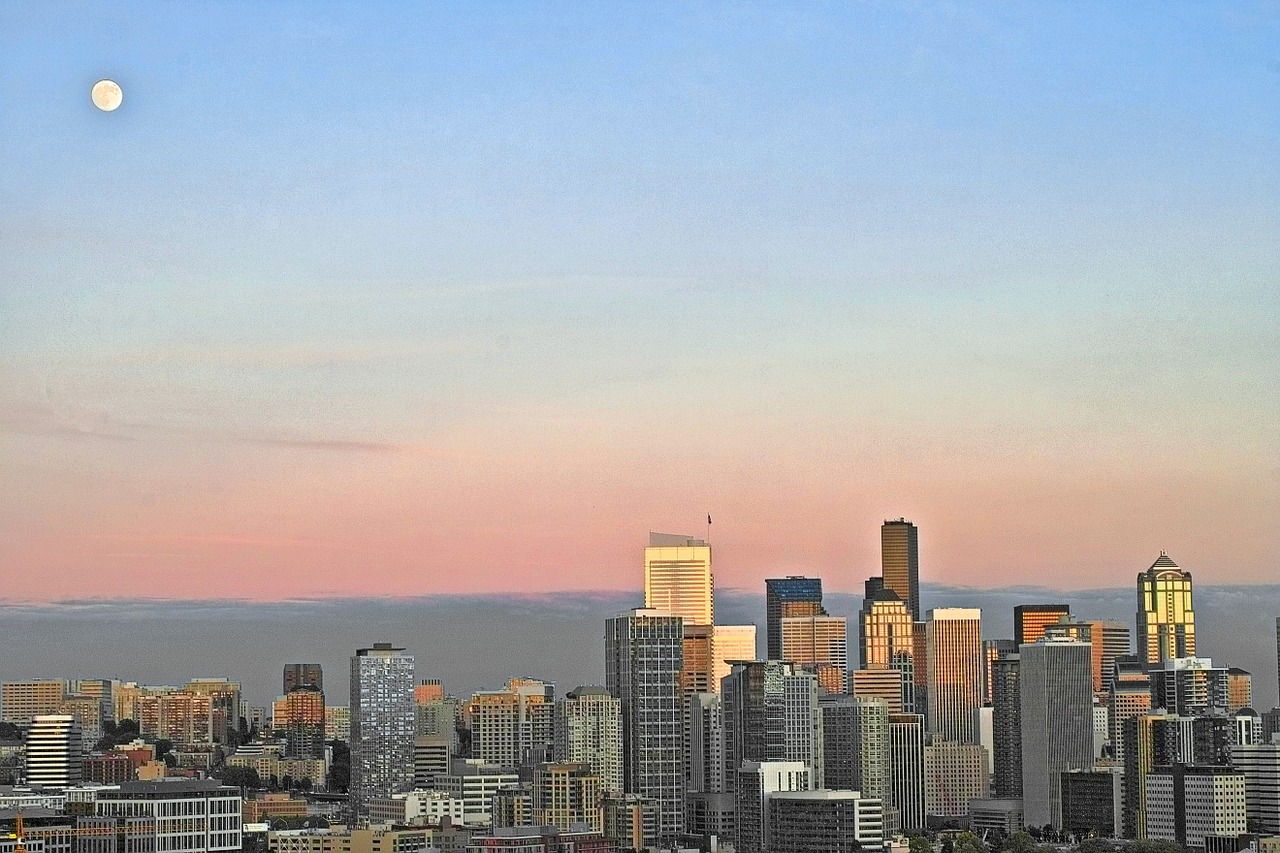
[(967, 842), (1021, 842), (239, 777), (339, 779), (10, 731), (919, 844)]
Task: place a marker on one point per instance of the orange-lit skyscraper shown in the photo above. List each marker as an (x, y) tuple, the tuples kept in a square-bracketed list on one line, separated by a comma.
[(1166, 621), (900, 562), (955, 671), (1030, 620)]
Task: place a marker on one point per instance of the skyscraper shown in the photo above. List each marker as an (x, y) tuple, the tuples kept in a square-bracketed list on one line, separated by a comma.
[(302, 675), (1006, 726), (955, 671), (819, 644), (906, 769), (644, 651), (1166, 620), (512, 727), (1030, 620), (885, 627), (730, 643), (771, 713), (382, 725), (1056, 692), (788, 597), (677, 577), (900, 562)]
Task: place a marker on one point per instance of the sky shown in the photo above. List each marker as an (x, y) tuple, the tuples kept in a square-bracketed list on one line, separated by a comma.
[(403, 299)]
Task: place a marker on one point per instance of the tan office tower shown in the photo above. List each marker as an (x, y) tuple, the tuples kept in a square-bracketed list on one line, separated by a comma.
[(883, 684), (955, 671), (699, 659), (677, 577), (1166, 621), (900, 562), (1030, 620), (819, 644)]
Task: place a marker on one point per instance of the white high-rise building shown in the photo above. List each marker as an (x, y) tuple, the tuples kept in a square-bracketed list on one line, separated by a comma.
[(53, 751), (756, 782), (588, 730), (382, 725), (677, 577), (1056, 694)]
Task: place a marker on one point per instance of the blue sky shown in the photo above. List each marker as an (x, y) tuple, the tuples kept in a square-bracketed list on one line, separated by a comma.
[(882, 257)]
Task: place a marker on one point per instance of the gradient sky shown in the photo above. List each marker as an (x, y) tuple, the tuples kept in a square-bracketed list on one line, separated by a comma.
[(413, 298)]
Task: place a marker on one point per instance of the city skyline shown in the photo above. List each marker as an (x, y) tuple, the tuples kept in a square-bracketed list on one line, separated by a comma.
[(464, 294)]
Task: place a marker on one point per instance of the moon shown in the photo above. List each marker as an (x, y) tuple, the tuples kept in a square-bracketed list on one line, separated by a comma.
[(107, 95)]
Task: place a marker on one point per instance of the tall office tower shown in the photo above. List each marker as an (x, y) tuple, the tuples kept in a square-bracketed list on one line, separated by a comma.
[(839, 741), (1129, 696), (644, 651), (566, 793), (382, 725), (885, 628), (1260, 765), (771, 713), (705, 773), (300, 712), (809, 821), (1030, 620), (1278, 657), (1190, 686), (730, 643), (900, 562), (906, 769), (954, 775), (677, 577), (1110, 641), (993, 650), (512, 727), (302, 675), (22, 701), (1186, 804), (886, 684), (1166, 621), (955, 671), (1239, 689), (588, 729), (53, 746), (920, 665), (1006, 726), (1055, 682), (754, 783), (788, 597), (819, 644)]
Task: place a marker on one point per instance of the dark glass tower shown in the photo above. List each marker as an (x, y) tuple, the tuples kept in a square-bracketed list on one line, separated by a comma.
[(789, 596)]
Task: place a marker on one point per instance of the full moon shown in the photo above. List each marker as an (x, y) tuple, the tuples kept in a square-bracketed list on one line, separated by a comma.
[(107, 95)]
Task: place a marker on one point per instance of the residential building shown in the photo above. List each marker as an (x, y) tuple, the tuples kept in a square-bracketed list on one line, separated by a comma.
[(1259, 763), (474, 783), (565, 794), (1239, 689), (1129, 696), (631, 821), (300, 714), (1187, 804), (992, 651), (419, 807), (337, 722), (1166, 620), (382, 724), (705, 769), (512, 727), (23, 701), (587, 728), (1006, 726), (541, 839), (643, 658), (1189, 686), (954, 774)]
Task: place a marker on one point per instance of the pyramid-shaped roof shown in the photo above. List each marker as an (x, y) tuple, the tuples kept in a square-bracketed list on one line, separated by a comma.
[(1164, 562)]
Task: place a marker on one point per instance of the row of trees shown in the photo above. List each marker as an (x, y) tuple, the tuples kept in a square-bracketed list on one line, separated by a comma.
[(1030, 841)]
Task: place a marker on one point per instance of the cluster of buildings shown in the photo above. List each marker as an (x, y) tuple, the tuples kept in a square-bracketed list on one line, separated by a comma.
[(1074, 727)]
